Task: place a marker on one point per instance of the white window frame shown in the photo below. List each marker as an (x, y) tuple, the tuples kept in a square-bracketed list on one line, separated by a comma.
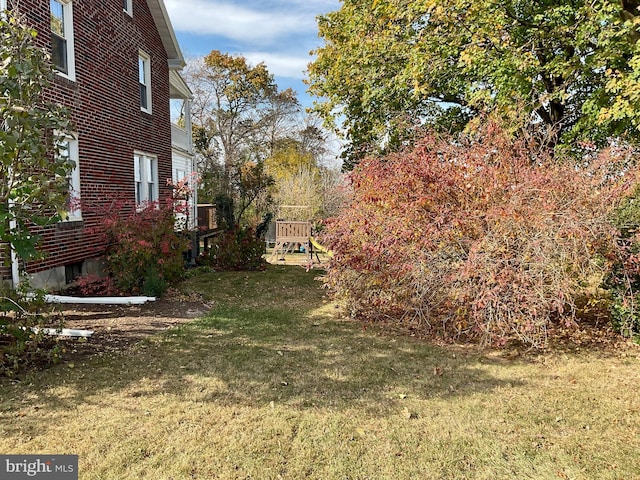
[(144, 79), (127, 6), (67, 13), (145, 171), (74, 213)]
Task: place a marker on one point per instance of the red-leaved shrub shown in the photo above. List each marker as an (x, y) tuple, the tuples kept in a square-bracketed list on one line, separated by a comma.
[(95, 285), (477, 235), (145, 254)]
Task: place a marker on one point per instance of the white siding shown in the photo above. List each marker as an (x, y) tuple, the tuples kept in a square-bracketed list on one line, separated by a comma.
[(183, 167)]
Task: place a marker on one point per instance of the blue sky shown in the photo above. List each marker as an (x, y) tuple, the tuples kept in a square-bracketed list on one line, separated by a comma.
[(280, 33)]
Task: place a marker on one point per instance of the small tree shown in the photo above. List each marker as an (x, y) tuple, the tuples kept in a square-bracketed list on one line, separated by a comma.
[(34, 185), (33, 180)]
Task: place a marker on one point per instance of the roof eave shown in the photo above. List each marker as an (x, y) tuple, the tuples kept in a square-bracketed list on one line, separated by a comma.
[(178, 87), (167, 34)]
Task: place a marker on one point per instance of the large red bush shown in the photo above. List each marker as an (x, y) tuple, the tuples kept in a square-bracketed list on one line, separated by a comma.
[(145, 254), (477, 235)]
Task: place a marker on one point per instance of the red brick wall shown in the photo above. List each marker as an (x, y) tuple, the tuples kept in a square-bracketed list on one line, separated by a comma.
[(105, 103), (5, 265)]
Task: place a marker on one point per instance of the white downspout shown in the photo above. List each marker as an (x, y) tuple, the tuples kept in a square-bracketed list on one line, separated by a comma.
[(15, 261), (15, 269)]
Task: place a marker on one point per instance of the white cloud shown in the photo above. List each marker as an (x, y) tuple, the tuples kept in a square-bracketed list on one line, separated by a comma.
[(237, 22), (280, 65), (279, 33)]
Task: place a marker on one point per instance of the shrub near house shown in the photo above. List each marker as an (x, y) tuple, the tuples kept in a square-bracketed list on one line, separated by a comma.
[(236, 249), (145, 254), (478, 235)]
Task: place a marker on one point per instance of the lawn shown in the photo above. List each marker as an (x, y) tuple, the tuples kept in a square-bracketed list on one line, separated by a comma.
[(273, 384)]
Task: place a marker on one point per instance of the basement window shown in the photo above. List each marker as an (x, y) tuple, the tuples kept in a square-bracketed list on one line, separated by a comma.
[(72, 272)]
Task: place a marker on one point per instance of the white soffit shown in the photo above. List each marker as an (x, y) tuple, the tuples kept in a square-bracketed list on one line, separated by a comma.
[(168, 36)]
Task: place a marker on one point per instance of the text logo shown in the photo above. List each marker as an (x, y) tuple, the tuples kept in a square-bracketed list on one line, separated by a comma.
[(49, 467)]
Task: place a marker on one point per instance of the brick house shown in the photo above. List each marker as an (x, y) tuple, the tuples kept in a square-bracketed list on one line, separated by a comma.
[(118, 67)]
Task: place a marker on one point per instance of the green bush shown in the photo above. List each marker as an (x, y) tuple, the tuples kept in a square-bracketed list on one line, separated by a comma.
[(237, 249), (623, 282), (153, 284), (22, 342)]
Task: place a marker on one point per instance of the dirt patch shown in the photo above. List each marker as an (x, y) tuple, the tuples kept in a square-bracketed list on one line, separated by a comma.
[(118, 327)]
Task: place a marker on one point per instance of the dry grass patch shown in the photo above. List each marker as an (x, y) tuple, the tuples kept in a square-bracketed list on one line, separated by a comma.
[(271, 385)]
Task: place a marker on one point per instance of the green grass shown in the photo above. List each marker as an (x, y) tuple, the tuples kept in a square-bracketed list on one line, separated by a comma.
[(274, 384)]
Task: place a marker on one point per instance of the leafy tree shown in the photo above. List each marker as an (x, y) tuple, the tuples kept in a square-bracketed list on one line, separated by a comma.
[(34, 184), (623, 77), (566, 69), (287, 159), (250, 181), (300, 176), (229, 93), (300, 182), (300, 189), (239, 116)]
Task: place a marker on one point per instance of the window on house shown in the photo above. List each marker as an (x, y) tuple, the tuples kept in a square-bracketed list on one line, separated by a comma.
[(146, 178), (68, 150), (62, 37), (127, 6), (144, 78)]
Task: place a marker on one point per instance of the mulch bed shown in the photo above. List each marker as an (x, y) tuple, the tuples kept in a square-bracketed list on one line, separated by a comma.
[(119, 327)]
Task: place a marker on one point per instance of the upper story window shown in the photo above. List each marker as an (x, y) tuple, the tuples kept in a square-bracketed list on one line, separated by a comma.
[(127, 6), (146, 178), (62, 54), (144, 78)]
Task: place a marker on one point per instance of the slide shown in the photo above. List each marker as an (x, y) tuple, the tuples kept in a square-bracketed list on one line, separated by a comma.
[(319, 248)]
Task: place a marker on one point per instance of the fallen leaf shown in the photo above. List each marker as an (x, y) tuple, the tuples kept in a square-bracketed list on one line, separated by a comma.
[(409, 415)]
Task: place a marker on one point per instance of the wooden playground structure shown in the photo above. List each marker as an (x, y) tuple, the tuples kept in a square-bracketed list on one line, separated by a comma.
[(296, 236)]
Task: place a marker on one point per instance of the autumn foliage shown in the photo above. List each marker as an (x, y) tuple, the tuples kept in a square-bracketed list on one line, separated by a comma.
[(145, 254), (478, 235)]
